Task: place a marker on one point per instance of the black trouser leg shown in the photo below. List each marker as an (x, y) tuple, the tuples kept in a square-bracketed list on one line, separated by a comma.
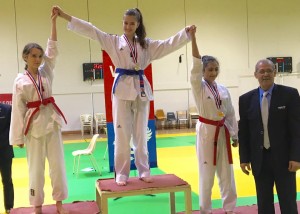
[(8, 188), (264, 183)]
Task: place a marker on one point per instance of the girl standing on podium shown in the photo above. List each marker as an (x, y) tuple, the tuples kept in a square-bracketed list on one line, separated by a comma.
[(36, 121), (217, 123), (131, 53)]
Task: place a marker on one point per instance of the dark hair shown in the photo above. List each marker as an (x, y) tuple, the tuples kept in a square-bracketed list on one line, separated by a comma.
[(27, 50), (140, 31), (207, 59)]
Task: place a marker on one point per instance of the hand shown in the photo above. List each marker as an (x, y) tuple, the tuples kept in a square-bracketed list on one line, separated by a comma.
[(246, 168), (54, 14), (57, 10), (191, 30), (235, 143), (294, 166), (21, 145)]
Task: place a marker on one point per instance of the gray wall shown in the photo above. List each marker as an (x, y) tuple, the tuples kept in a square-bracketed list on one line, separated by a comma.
[(237, 32)]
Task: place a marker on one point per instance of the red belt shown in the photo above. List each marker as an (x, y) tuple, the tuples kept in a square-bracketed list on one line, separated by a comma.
[(218, 125), (36, 105)]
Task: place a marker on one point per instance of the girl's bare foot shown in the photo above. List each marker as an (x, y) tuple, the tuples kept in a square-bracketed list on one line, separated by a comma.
[(122, 183), (60, 209), (147, 179), (37, 210)]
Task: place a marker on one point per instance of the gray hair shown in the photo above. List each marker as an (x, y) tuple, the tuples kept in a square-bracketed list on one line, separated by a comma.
[(264, 61)]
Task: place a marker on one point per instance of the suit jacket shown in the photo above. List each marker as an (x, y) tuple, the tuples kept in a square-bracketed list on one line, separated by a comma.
[(283, 128), (6, 150)]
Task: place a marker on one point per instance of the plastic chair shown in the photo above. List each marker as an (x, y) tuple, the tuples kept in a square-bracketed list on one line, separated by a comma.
[(181, 117), (100, 122), (160, 116), (89, 152), (171, 119), (86, 120), (193, 115)]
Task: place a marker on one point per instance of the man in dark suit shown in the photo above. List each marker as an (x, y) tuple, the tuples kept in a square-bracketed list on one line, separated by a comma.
[(6, 155), (273, 152)]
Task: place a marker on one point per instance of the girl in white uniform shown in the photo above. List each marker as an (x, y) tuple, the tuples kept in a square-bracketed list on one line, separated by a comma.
[(216, 124), (36, 121), (131, 53)]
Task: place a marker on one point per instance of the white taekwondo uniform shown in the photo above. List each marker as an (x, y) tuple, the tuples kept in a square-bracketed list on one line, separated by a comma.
[(130, 109), (207, 109), (39, 127)]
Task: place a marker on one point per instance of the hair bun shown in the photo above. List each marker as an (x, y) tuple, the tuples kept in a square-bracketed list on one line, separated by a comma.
[(207, 58)]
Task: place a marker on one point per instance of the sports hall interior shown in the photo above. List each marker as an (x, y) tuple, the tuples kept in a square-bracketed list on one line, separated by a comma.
[(237, 32)]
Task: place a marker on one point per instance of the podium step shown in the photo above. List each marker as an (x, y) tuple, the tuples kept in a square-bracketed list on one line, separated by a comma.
[(78, 207)]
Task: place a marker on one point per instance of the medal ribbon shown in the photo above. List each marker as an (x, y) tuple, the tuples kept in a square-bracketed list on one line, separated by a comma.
[(39, 86), (133, 49), (214, 90), (134, 54)]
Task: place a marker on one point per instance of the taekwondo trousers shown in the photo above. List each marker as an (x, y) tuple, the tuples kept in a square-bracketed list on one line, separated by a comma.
[(49, 146), (130, 125), (207, 170)]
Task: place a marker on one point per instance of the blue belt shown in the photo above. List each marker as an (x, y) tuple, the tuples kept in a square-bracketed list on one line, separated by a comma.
[(122, 72)]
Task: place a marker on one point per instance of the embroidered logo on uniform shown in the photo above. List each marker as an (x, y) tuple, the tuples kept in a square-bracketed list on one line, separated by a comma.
[(119, 126), (32, 192)]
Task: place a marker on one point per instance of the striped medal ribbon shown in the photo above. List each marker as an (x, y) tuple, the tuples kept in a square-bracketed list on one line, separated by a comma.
[(134, 54), (38, 85), (214, 90)]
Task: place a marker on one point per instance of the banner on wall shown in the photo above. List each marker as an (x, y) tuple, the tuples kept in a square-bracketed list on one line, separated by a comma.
[(108, 69), (6, 98)]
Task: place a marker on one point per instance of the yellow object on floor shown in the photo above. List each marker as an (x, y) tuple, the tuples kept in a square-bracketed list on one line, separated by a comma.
[(182, 161)]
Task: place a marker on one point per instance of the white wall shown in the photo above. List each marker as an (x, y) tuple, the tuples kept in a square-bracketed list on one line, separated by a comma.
[(8, 46), (237, 32)]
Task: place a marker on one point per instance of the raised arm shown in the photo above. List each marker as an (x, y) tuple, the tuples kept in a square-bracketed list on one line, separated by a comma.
[(61, 13), (196, 71), (195, 50), (54, 15), (88, 30)]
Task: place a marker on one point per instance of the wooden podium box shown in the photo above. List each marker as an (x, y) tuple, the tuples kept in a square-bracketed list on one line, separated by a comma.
[(168, 183)]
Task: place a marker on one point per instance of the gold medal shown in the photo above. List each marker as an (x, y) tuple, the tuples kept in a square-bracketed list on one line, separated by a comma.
[(221, 114), (137, 67)]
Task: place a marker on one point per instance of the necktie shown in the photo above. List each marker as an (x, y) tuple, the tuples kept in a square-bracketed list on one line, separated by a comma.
[(265, 115)]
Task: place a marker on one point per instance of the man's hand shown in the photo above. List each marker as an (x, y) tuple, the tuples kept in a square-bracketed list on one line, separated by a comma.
[(294, 166), (246, 168)]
